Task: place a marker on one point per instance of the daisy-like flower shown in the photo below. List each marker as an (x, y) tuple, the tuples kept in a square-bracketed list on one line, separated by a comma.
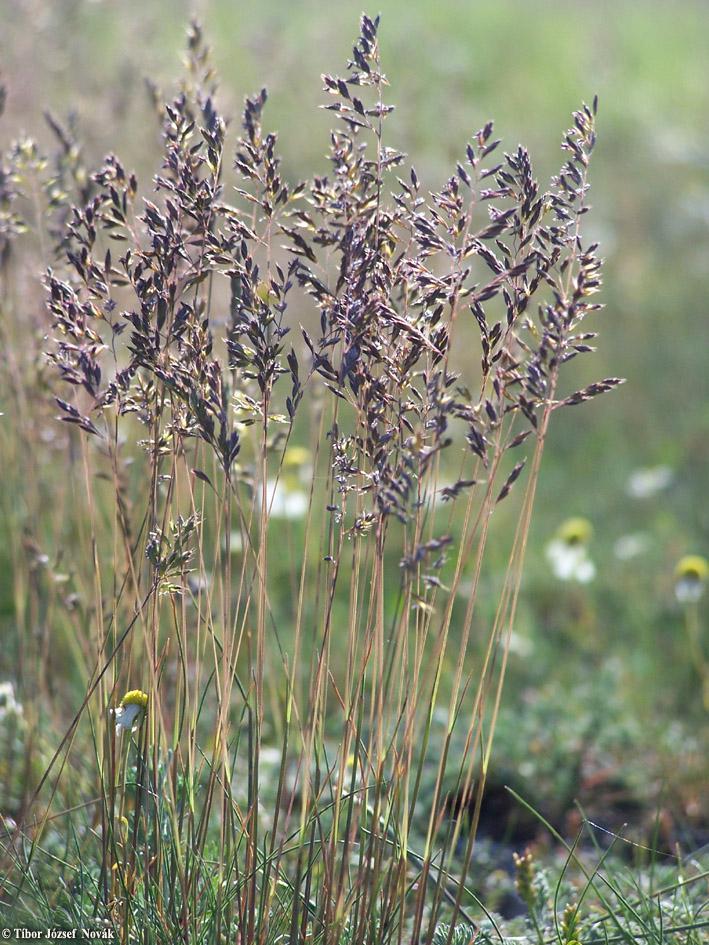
[(286, 496), (286, 499), (567, 552), (646, 483), (691, 576), (631, 546), (297, 458), (131, 711), (199, 583)]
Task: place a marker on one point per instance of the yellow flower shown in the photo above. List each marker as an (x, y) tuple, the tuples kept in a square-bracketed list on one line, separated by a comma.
[(135, 697), (296, 456), (575, 531), (131, 710), (694, 567)]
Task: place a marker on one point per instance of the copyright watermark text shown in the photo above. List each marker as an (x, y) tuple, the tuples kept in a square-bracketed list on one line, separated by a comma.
[(28, 935)]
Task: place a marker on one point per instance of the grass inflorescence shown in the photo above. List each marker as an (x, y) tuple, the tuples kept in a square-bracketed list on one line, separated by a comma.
[(347, 374)]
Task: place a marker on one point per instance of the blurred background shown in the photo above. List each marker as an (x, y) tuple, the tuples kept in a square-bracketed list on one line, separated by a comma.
[(621, 716)]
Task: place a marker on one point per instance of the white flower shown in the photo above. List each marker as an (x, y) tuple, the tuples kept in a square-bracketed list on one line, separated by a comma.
[(569, 562), (8, 703), (520, 646), (646, 483), (127, 717), (130, 712), (236, 542), (270, 757), (688, 591), (199, 583), (631, 546), (441, 715), (567, 552), (287, 495), (286, 499), (691, 576)]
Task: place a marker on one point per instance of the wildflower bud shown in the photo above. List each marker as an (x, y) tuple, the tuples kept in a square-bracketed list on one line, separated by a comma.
[(570, 927), (576, 531), (524, 876)]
